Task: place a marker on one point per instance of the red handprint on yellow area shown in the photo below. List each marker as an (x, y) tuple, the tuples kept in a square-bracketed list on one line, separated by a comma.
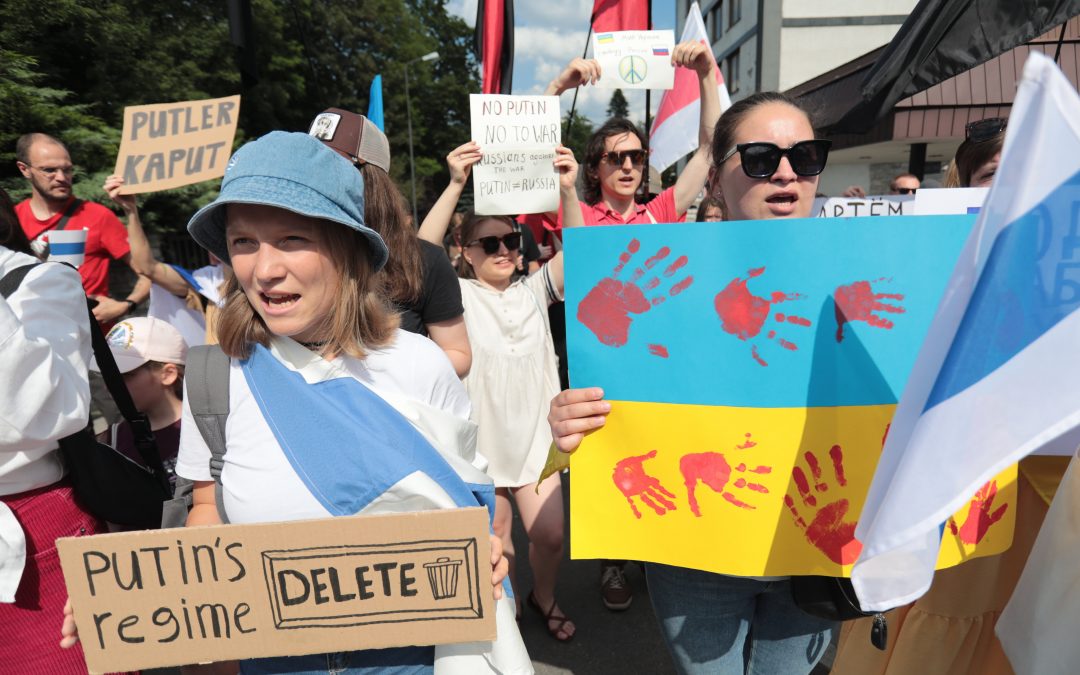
[(829, 530), (979, 519), (714, 470), (630, 477)]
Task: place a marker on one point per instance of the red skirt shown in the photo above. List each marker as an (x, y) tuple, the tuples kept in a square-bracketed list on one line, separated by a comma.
[(31, 625)]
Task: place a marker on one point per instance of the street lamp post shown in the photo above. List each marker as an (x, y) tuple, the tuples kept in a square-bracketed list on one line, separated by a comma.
[(408, 113)]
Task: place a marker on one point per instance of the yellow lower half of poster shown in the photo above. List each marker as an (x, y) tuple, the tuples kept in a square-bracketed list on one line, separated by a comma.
[(749, 492)]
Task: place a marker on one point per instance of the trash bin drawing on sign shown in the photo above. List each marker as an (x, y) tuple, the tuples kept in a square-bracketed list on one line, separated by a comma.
[(442, 575)]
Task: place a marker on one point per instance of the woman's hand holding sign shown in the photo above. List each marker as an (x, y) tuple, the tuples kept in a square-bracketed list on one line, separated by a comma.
[(574, 413)]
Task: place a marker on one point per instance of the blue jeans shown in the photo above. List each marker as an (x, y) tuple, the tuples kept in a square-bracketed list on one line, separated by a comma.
[(720, 625), (399, 661)]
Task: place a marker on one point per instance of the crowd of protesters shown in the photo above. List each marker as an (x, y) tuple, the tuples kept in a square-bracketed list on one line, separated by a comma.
[(314, 269)]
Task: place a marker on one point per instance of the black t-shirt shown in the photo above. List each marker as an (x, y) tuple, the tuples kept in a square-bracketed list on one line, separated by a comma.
[(168, 445), (440, 299)]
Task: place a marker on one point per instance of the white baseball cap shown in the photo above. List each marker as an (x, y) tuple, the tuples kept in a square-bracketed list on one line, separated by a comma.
[(139, 339)]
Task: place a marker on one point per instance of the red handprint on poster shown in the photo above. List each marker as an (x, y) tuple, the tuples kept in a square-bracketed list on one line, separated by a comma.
[(714, 470), (829, 530), (607, 310), (630, 477), (744, 314), (979, 519), (857, 301)]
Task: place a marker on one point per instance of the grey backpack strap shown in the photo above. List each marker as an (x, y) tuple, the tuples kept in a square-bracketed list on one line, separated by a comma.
[(207, 376)]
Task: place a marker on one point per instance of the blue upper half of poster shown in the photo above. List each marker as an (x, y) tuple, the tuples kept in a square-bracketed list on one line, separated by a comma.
[(762, 314)]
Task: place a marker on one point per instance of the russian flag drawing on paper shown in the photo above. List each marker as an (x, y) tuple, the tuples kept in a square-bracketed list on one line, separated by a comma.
[(674, 131), (997, 377)]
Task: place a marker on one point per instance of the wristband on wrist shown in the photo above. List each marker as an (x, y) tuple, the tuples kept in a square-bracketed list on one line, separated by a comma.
[(131, 304)]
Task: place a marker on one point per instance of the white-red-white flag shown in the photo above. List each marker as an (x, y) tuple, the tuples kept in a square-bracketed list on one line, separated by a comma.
[(675, 128)]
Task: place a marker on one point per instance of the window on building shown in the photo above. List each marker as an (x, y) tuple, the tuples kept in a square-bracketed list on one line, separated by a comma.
[(715, 21), (734, 12), (731, 72)]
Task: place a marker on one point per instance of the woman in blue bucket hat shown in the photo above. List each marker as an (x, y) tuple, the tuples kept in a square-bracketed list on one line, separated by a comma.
[(333, 409)]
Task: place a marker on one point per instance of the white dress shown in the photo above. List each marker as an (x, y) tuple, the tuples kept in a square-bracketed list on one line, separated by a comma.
[(514, 374)]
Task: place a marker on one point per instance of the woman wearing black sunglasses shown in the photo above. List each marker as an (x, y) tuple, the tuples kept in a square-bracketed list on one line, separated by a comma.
[(514, 371), (766, 163), (978, 156)]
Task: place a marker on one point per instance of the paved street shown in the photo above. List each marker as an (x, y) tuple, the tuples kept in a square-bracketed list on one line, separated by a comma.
[(607, 642)]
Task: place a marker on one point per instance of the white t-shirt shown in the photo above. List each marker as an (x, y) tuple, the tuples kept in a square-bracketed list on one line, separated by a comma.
[(258, 481)]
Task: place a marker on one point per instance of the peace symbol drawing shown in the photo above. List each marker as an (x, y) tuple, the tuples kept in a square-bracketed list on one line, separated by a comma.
[(632, 69)]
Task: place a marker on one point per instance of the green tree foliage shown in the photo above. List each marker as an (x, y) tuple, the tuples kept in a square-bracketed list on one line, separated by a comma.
[(69, 67), (576, 133), (618, 105)]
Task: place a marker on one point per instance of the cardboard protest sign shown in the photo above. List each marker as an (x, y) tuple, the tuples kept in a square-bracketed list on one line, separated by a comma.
[(518, 136), (855, 207), (635, 59), (167, 145), (753, 370), (181, 596)]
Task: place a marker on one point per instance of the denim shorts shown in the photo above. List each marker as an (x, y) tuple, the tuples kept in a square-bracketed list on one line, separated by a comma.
[(399, 661), (723, 625)]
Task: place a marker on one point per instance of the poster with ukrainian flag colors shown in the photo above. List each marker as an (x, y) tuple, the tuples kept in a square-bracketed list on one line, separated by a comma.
[(753, 369)]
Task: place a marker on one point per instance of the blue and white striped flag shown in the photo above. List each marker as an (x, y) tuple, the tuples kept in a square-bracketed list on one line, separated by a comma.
[(998, 376)]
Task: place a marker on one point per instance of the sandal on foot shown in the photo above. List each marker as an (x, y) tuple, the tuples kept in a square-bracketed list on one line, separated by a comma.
[(550, 617)]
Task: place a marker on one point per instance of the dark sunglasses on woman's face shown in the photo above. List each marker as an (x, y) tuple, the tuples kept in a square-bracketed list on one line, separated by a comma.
[(760, 160), (511, 241), (985, 130), (637, 157)]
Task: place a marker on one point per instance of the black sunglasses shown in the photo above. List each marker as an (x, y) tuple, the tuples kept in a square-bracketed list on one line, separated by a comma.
[(511, 241), (985, 130), (760, 160), (905, 191), (637, 157)]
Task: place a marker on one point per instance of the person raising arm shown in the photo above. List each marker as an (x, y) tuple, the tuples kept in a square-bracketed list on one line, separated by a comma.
[(615, 157)]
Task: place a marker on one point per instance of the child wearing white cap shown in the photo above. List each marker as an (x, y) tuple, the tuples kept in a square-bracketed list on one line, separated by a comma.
[(150, 354)]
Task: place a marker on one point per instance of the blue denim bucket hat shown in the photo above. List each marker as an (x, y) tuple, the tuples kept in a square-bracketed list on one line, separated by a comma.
[(295, 172)]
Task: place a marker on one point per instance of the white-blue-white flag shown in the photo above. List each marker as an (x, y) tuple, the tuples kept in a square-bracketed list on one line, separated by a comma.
[(998, 376)]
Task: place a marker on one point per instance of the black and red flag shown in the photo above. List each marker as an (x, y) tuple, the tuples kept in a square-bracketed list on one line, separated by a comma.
[(495, 44)]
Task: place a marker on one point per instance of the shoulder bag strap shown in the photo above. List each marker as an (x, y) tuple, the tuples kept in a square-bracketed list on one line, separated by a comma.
[(11, 281), (140, 423), (63, 222)]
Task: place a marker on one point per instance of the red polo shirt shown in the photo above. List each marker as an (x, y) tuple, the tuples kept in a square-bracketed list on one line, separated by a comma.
[(661, 207)]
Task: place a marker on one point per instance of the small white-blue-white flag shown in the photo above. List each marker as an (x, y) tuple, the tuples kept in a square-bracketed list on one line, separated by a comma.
[(998, 376)]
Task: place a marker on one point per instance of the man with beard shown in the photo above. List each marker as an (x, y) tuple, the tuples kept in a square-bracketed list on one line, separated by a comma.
[(45, 162)]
